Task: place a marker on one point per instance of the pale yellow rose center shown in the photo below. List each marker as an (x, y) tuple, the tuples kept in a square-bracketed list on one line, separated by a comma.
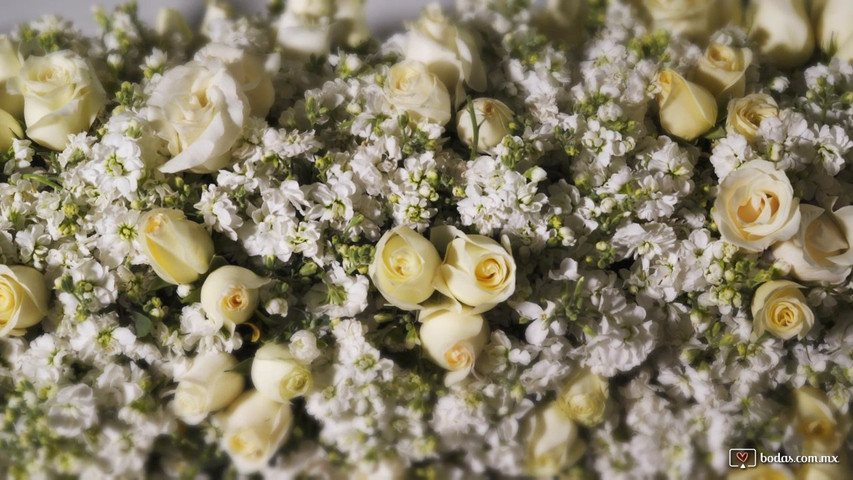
[(295, 384), (246, 444), (785, 315), (754, 112), (724, 57), (818, 428), (8, 300), (401, 261), (458, 357), (154, 223), (490, 272), (760, 206), (235, 298)]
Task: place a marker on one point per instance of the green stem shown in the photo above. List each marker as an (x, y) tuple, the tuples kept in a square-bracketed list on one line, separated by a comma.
[(42, 179), (476, 141)]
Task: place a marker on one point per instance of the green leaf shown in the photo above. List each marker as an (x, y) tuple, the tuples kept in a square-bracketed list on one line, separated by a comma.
[(244, 367), (143, 324)]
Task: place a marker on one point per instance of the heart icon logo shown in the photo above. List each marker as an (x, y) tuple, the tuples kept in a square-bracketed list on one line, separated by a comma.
[(742, 456)]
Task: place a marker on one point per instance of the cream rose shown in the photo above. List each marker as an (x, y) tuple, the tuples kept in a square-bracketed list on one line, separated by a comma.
[(452, 338), (722, 71), (755, 206), (404, 268), (172, 27), (845, 50), (823, 471), (253, 428), (448, 50), (351, 23), (229, 295), (179, 250), (780, 308), (23, 299), (477, 270), (11, 99), (305, 29), (551, 441), (560, 20), (252, 72), (815, 420), (693, 19), (493, 120), (762, 472), (62, 96), (745, 114), (584, 398), (413, 89), (278, 375), (198, 109), (820, 251), (833, 22), (782, 31), (10, 129), (206, 387), (686, 109)]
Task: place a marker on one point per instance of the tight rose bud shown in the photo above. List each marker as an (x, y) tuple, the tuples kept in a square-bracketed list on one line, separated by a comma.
[(686, 109), (477, 270), (821, 250), (822, 429), (229, 295), (23, 299), (583, 398), (693, 19), (179, 250), (756, 207), (833, 22), (452, 338), (11, 99), (62, 96), (745, 114), (493, 119), (780, 308), (551, 441), (207, 386), (722, 71), (253, 428), (10, 129), (404, 268), (172, 26), (279, 376), (782, 31), (413, 89)]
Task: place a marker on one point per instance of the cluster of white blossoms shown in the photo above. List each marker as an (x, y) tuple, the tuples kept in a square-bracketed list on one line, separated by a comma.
[(586, 239)]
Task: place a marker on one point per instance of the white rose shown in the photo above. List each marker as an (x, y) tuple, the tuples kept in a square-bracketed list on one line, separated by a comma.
[(179, 250), (62, 96), (279, 376), (23, 299), (780, 308), (254, 427), (452, 338), (214, 13), (815, 420), (448, 50), (823, 471), (551, 441), (845, 50), (833, 22), (755, 206), (312, 8), (413, 89), (477, 270), (583, 398), (172, 26), (199, 110), (762, 472), (693, 19), (745, 114), (229, 295), (11, 99), (820, 251), (782, 31), (207, 386), (301, 36), (10, 129), (303, 346), (687, 110), (404, 268), (560, 20), (351, 22), (722, 71), (493, 120), (252, 72)]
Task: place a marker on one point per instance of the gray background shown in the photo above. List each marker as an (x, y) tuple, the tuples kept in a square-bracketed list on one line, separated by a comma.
[(384, 15)]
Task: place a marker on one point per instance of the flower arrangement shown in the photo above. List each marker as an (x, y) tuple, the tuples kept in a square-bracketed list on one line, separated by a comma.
[(595, 239)]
